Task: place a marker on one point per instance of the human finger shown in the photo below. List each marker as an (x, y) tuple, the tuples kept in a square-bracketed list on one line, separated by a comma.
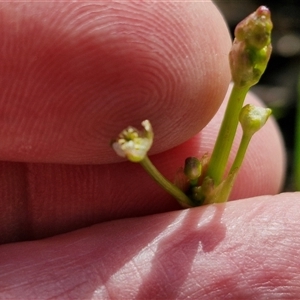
[(74, 74), (40, 200), (245, 249)]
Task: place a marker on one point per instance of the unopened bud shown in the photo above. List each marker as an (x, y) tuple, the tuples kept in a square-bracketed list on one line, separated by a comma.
[(252, 118), (251, 48), (192, 168)]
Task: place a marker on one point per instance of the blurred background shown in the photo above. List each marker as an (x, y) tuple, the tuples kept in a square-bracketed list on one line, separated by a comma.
[(278, 86)]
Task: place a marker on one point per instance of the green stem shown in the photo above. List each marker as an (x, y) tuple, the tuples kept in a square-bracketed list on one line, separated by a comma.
[(224, 189), (177, 193), (240, 153), (297, 143), (220, 154)]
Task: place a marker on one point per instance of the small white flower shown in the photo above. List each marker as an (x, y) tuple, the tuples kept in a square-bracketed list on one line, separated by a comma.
[(134, 144)]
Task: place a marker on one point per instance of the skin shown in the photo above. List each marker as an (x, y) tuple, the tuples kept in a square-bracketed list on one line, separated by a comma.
[(72, 76)]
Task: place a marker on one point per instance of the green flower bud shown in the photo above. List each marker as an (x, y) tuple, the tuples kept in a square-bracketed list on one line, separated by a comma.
[(192, 168), (255, 30), (251, 49), (252, 118), (134, 144)]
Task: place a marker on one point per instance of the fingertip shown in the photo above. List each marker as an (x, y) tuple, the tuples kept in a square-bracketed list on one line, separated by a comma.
[(87, 70)]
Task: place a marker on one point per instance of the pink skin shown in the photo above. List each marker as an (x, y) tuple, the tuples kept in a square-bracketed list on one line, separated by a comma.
[(72, 76)]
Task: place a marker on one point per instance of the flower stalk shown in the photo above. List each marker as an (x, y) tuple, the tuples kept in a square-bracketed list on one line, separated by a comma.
[(248, 59), (252, 119), (134, 145), (223, 145), (172, 189)]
